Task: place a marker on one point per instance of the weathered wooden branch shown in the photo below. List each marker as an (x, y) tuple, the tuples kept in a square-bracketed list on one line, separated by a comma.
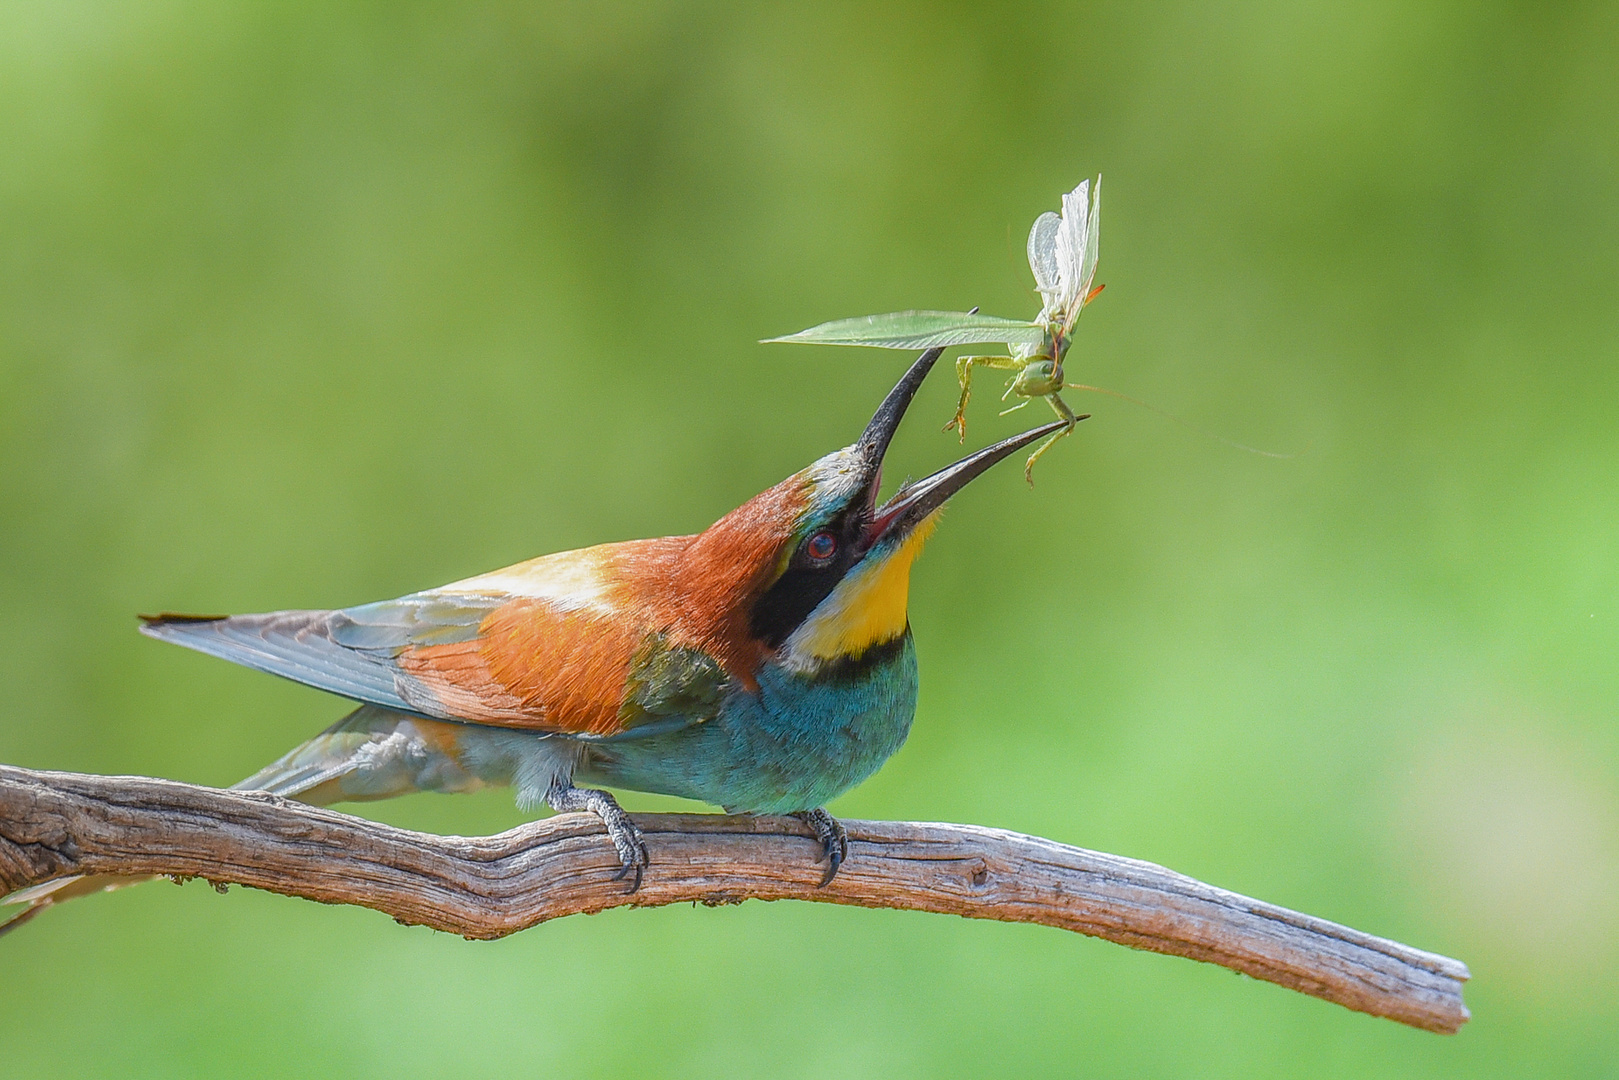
[(55, 824)]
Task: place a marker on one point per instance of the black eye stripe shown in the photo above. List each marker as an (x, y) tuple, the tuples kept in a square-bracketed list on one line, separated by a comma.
[(809, 578)]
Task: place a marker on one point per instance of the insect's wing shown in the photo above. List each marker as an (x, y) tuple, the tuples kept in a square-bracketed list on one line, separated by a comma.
[(1071, 242), (1077, 246), (1093, 237), (919, 330), (1043, 255)]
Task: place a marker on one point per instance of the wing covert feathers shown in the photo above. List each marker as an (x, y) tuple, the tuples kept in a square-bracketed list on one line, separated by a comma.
[(522, 664), (595, 642)]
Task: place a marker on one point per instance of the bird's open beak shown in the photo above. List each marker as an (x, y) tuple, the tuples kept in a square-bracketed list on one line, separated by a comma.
[(915, 501)]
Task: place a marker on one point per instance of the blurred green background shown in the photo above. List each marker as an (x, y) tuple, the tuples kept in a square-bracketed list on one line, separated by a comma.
[(313, 304)]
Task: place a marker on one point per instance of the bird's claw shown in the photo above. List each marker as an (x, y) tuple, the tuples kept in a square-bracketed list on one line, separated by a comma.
[(625, 834), (633, 858), (833, 836)]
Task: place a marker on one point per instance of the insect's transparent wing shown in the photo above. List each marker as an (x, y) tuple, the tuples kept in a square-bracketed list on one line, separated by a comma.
[(1071, 244), (919, 330), (1043, 255), (1077, 246), (1093, 237)]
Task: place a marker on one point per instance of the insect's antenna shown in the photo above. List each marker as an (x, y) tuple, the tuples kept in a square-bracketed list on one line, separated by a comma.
[(1187, 424)]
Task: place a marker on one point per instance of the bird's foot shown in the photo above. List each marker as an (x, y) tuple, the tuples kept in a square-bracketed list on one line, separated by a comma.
[(564, 798), (833, 837)]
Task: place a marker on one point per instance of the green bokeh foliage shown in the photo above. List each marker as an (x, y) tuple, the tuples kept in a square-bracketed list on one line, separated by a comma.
[(309, 305)]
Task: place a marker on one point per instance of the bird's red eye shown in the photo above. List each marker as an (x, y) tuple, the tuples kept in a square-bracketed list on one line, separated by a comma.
[(822, 546)]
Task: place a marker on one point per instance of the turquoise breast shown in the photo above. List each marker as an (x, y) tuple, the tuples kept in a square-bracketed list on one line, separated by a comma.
[(795, 744)]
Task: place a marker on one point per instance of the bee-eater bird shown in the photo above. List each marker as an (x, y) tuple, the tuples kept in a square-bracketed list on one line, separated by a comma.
[(763, 665)]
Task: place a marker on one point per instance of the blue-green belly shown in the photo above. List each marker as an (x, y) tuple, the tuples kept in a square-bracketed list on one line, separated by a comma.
[(796, 744)]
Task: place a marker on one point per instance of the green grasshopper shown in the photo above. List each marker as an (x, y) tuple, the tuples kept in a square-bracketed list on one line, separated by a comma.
[(1062, 254)]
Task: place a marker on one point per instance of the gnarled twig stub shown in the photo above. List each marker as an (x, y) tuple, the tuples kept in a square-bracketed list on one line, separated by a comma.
[(53, 824)]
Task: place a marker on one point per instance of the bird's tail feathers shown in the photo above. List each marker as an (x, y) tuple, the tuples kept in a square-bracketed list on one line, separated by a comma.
[(372, 753), (39, 897)]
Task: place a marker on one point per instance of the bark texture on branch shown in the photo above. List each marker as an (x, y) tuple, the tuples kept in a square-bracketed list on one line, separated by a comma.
[(54, 824)]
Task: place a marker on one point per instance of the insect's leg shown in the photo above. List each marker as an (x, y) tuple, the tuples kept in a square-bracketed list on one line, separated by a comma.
[(964, 375), (1060, 407), (1014, 408)]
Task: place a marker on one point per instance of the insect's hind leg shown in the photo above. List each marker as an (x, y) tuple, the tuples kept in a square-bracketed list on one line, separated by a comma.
[(1060, 407), (964, 376)]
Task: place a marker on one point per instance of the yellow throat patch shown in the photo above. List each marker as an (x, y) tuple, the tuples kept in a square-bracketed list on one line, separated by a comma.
[(867, 608)]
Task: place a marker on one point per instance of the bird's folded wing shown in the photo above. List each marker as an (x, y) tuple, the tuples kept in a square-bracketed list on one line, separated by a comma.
[(486, 656)]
